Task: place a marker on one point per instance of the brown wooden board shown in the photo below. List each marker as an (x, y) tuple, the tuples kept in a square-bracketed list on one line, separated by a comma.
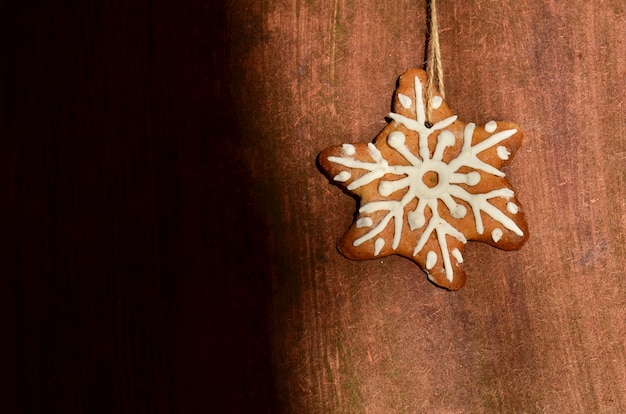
[(542, 329), (172, 243)]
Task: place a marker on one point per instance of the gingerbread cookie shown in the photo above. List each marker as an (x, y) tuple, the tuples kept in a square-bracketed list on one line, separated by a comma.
[(425, 189)]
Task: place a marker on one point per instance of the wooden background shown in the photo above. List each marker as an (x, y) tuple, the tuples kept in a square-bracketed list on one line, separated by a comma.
[(171, 242)]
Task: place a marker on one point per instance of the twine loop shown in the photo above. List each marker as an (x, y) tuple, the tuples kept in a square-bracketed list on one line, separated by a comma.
[(433, 63)]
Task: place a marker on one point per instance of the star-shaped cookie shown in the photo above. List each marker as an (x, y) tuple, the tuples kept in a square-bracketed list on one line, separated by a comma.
[(426, 188)]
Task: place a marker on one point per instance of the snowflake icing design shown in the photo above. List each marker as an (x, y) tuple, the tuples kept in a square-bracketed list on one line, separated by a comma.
[(426, 189)]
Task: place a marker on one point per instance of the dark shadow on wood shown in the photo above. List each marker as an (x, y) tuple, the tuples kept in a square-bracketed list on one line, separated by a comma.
[(137, 281)]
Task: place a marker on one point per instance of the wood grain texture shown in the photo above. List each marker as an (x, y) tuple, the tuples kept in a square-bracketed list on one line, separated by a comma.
[(539, 330), (172, 241)]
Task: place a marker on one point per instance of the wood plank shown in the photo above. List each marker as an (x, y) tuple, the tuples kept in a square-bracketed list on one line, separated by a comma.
[(172, 241), (537, 330)]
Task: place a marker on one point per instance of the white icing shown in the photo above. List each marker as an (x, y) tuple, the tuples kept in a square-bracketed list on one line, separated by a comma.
[(473, 178), (348, 149), (457, 255), (378, 245), (343, 176), (502, 152), (496, 235), (431, 259), (364, 222), (405, 100), (436, 102), (447, 188), (396, 139), (512, 208)]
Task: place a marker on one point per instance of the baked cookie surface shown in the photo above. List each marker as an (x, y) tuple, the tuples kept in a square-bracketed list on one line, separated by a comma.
[(426, 188)]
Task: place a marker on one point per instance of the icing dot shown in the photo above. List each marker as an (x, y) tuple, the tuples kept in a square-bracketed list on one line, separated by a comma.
[(502, 152), (431, 259), (457, 255), (343, 176), (385, 188), (364, 222), (446, 138), (348, 149), (405, 100), (473, 178), (459, 211), (496, 235), (416, 220), (436, 102), (396, 139), (491, 126), (378, 245), (512, 208)]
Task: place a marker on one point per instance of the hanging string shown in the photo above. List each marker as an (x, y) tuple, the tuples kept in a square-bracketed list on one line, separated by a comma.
[(433, 62)]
